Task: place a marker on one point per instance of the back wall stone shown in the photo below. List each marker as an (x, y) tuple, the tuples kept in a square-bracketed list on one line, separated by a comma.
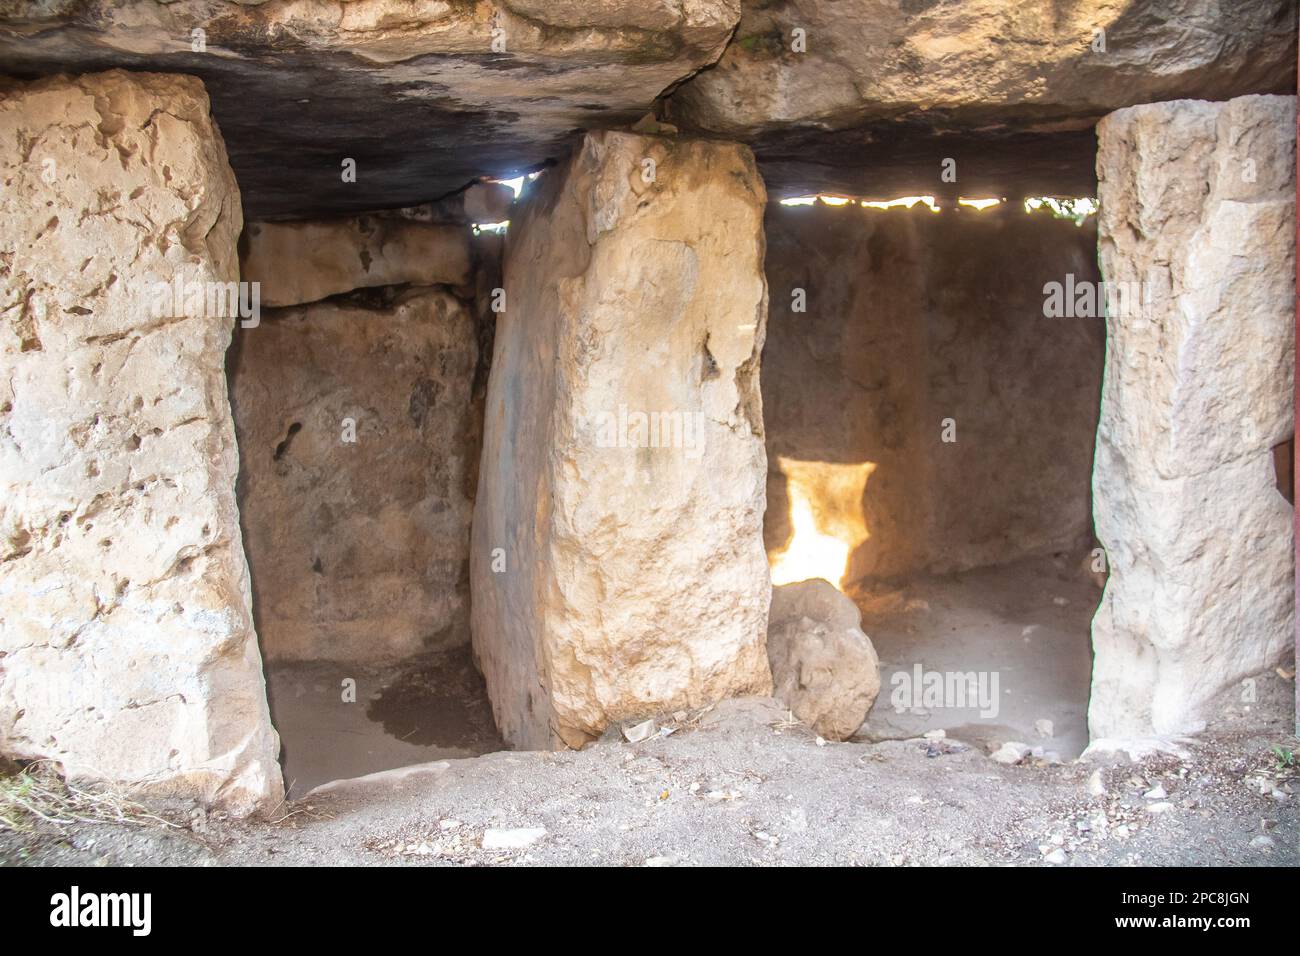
[(912, 318), (359, 549)]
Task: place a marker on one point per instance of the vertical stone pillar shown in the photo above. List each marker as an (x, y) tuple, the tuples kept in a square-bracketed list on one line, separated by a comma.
[(617, 564), (127, 650), (1197, 209)]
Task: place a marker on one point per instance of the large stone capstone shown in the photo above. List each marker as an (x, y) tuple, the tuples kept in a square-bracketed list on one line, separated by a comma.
[(617, 559), (1197, 238), (890, 89), (127, 651), (422, 97), (357, 437), (336, 108)]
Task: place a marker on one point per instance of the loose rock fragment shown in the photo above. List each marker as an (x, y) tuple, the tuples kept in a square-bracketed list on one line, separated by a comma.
[(824, 668), (516, 839), (1010, 753)]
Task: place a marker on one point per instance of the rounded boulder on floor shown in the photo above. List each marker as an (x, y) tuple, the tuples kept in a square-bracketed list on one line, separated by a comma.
[(823, 666)]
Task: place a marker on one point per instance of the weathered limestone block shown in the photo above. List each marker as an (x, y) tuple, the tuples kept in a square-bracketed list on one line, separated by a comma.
[(1197, 213), (299, 262), (982, 60), (425, 96), (823, 667), (356, 437), (488, 202), (617, 561), (127, 650)]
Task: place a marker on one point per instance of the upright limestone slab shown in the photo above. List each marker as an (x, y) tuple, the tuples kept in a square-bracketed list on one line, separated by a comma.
[(127, 650), (617, 563), (357, 440), (1197, 206)]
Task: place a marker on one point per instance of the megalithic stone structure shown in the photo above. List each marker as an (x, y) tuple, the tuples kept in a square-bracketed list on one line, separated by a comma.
[(617, 561), (1197, 234)]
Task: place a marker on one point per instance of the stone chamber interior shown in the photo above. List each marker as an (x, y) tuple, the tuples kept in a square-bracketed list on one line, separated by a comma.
[(359, 419), (929, 435), (399, 498), (929, 425), (930, 438)]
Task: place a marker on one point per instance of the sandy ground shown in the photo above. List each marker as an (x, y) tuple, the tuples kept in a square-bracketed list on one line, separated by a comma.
[(431, 709), (1026, 625), (1023, 625), (740, 784)]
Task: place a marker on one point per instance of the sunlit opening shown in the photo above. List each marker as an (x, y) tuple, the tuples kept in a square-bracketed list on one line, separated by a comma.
[(497, 228), (907, 202), (518, 182), (1076, 209), (825, 519), (811, 200)]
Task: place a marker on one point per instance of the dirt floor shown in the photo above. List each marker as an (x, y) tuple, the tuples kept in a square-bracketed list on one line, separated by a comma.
[(742, 784), (429, 709), (1026, 624)]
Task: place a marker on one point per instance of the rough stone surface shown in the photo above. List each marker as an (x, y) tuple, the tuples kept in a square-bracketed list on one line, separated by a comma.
[(876, 58), (1198, 205), (425, 96), (300, 262), (488, 202), (634, 579), (913, 317), (127, 650), (359, 549), (885, 89), (823, 667), (983, 69)]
